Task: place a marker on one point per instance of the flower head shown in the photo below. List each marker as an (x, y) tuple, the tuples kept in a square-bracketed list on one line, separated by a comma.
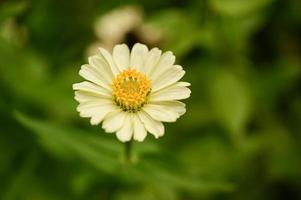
[(114, 25), (131, 92), (123, 24)]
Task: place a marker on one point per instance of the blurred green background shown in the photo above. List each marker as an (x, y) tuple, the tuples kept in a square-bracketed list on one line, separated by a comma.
[(240, 137)]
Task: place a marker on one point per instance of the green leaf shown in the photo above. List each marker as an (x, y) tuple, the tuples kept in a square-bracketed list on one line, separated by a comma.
[(237, 8), (231, 102), (71, 143), (237, 31), (184, 38), (35, 86), (17, 186)]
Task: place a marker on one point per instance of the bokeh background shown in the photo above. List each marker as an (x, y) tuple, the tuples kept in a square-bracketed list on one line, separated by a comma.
[(240, 138)]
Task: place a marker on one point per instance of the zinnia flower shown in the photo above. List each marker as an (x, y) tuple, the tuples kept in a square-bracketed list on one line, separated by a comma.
[(123, 24), (131, 92), (114, 25)]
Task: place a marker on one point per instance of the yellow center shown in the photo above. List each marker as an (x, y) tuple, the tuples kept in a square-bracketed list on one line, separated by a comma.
[(130, 89)]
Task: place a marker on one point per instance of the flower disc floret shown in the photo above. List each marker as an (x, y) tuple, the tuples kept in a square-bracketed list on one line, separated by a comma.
[(130, 90)]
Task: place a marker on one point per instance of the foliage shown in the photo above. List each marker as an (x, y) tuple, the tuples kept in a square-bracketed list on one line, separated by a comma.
[(240, 137)]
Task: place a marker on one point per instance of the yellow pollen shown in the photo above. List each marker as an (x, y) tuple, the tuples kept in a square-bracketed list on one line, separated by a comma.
[(130, 89)]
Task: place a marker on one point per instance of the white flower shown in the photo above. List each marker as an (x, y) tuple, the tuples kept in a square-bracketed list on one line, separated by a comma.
[(131, 92), (115, 27)]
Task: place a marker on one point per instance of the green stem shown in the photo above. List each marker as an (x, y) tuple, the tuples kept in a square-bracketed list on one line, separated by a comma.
[(128, 151)]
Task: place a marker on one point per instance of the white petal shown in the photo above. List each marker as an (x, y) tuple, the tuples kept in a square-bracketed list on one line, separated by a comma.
[(176, 106), (114, 121), (87, 109), (90, 73), (176, 91), (121, 55), (183, 84), (84, 96), (102, 67), (108, 58), (91, 88), (96, 110), (125, 133), (161, 113), (100, 114), (156, 128), (139, 129), (151, 61), (166, 61), (138, 56), (169, 77)]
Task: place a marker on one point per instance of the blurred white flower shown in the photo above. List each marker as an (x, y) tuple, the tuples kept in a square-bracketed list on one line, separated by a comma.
[(116, 24), (131, 92), (114, 27), (150, 34), (13, 32)]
